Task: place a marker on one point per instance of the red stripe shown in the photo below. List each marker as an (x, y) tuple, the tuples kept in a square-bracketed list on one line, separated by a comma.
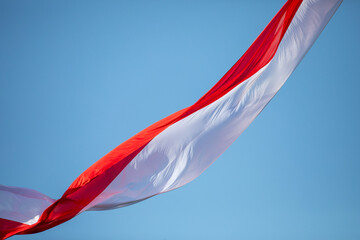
[(8, 227), (97, 177)]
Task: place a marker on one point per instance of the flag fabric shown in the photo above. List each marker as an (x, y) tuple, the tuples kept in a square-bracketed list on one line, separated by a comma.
[(177, 149)]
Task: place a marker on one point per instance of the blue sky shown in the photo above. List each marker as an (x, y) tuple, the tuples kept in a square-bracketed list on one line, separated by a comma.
[(77, 78)]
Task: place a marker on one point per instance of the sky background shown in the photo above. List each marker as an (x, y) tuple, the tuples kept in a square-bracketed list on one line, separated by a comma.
[(77, 78)]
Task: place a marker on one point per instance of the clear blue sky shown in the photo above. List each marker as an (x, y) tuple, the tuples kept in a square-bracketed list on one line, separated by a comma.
[(79, 77)]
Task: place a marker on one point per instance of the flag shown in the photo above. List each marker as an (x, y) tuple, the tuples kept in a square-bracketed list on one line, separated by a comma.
[(175, 150)]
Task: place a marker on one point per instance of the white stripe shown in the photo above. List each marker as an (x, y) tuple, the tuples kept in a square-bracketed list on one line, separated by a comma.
[(183, 151), (22, 205)]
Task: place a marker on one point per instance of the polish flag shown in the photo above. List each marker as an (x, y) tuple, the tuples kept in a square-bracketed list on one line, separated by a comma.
[(175, 150)]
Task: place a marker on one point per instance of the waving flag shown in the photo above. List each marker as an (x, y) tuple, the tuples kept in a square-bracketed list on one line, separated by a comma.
[(178, 148)]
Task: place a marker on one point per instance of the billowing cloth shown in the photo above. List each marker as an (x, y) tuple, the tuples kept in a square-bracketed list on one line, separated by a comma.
[(178, 148)]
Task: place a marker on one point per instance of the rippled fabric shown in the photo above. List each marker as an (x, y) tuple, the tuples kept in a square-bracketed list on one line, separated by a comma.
[(178, 148)]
